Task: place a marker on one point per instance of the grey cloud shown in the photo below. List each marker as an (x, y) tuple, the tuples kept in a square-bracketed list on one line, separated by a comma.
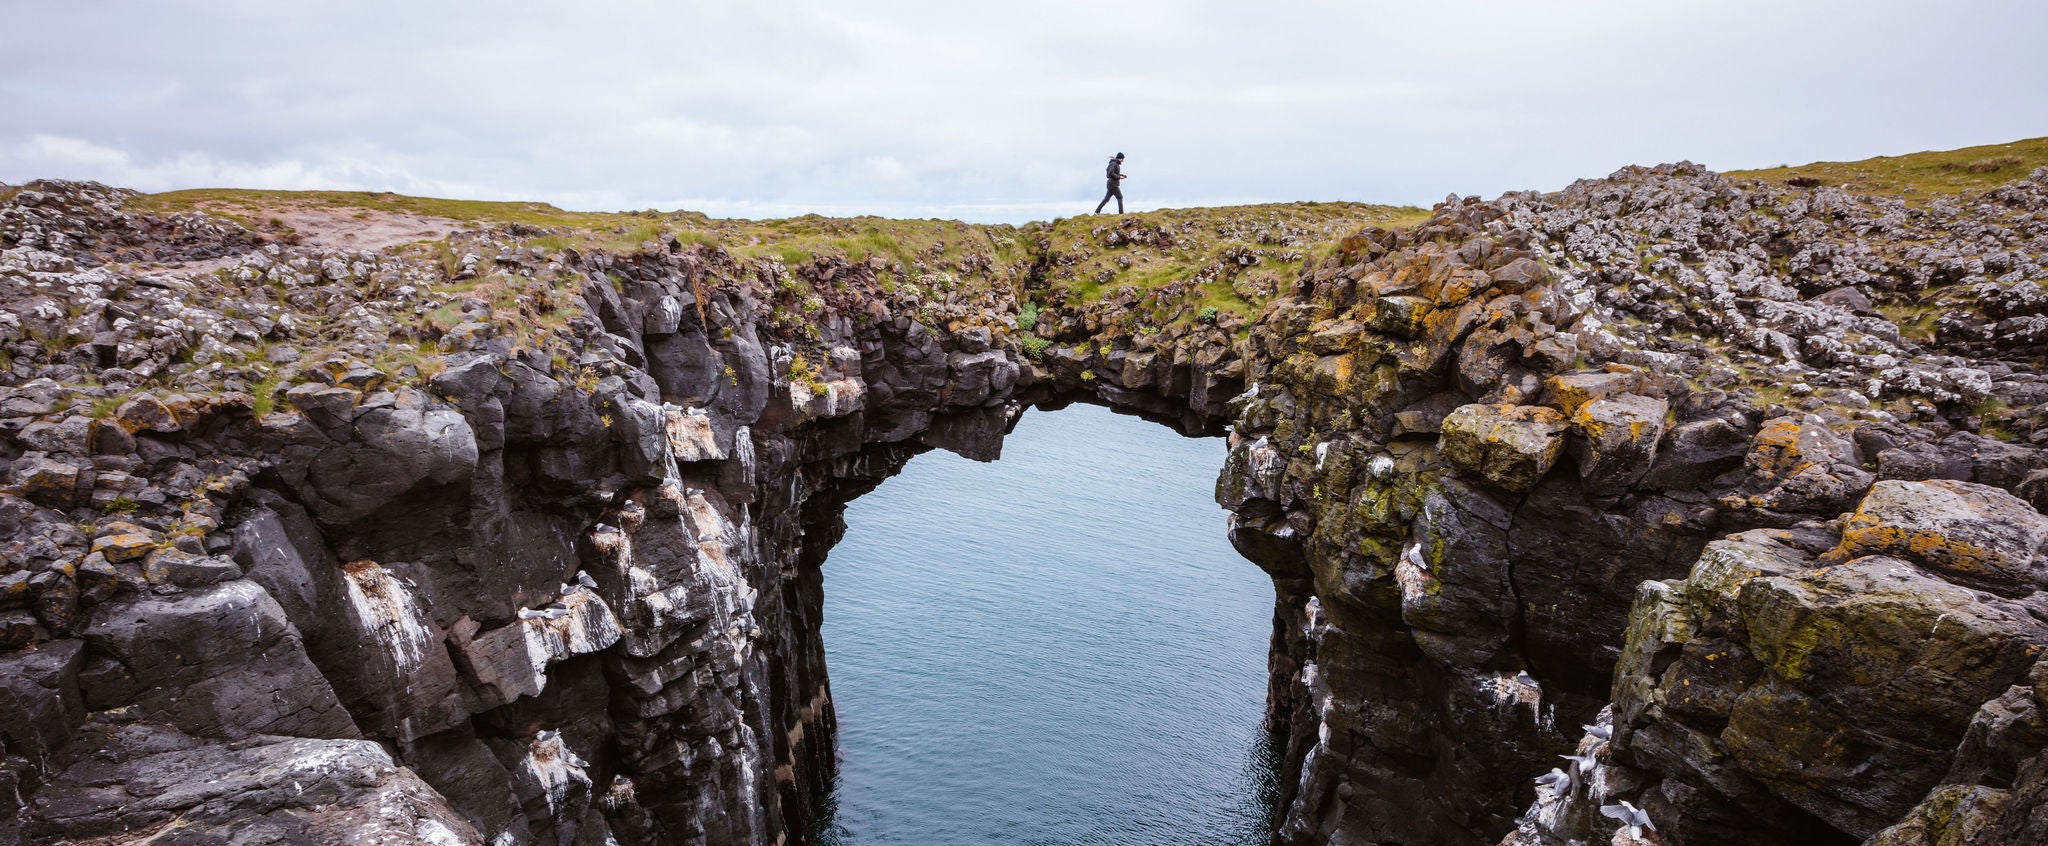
[(987, 112)]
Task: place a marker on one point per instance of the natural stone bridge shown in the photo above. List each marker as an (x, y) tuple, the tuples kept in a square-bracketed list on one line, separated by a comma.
[(1547, 475)]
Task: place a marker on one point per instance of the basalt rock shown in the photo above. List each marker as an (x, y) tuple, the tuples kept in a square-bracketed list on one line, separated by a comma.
[(146, 782), (553, 579), (1970, 534), (1486, 588), (520, 544), (1510, 445), (1840, 690), (1622, 433)]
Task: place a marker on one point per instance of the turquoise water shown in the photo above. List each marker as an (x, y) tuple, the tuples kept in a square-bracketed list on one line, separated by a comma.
[(1056, 648)]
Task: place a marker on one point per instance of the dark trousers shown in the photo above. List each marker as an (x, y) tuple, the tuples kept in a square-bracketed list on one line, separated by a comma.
[(1116, 191)]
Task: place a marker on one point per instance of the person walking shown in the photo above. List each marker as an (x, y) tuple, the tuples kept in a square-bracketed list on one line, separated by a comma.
[(1116, 175)]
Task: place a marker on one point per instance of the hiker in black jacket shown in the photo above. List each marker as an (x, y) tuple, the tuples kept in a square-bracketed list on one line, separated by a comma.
[(1116, 175)]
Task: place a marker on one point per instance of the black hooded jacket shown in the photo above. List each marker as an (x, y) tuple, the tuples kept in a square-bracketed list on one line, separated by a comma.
[(1115, 171)]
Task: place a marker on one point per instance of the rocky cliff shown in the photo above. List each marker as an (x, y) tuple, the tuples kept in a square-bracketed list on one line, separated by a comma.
[(1728, 490), (1654, 457), (485, 540)]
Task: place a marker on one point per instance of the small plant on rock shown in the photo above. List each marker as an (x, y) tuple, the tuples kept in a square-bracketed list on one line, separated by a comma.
[(801, 372), (263, 394), (800, 369), (104, 407)]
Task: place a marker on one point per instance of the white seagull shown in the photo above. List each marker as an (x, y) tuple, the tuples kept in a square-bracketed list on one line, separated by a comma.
[(1631, 816)]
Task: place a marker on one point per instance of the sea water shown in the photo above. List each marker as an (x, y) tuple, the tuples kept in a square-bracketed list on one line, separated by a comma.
[(1059, 647)]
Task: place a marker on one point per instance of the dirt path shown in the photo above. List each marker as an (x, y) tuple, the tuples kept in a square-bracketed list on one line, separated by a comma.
[(360, 229), (322, 227)]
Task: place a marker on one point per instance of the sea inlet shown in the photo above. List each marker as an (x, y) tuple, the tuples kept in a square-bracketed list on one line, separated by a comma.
[(1059, 647)]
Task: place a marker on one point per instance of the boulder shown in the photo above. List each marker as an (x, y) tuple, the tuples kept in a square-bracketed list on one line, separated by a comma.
[(220, 661), (1568, 391), (1621, 434), (72, 436), (1511, 446), (1843, 689), (2005, 733), (143, 781), (1953, 815), (124, 542), (1798, 463), (978, 377), (1848, 297), (1400, 316), (1920, 460), (145, 413), (47, 481), (401, 444), (176, 567), (1426, 417), (1970, 534), (329, 407), (40, 705), (1519, 275)]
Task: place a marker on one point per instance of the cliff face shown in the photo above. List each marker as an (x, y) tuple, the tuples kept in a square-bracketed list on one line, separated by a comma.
[(515, 538), (1547, 453), (545, 569)]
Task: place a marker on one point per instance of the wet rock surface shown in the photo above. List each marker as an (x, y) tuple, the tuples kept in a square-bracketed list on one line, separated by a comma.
[(493, 540)]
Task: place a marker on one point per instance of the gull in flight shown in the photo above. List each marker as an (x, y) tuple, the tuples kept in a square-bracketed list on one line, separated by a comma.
[(1634, 818)]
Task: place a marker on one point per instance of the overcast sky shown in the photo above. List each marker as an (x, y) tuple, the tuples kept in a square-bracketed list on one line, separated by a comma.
[(991, 111)]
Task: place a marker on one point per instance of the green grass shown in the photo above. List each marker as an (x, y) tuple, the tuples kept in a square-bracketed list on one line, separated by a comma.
[(702, 239), (1922, 176), (417, 361), (1916, 322), (257, 204), (263, 395), (931, 257), (104, 407), (552, 243), (791, 254), (902, 244), (1193, 273)]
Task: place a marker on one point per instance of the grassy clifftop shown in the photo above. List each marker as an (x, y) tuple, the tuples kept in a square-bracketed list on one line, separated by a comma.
[(1919, 177), (1160, 267), (1179, 263)]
